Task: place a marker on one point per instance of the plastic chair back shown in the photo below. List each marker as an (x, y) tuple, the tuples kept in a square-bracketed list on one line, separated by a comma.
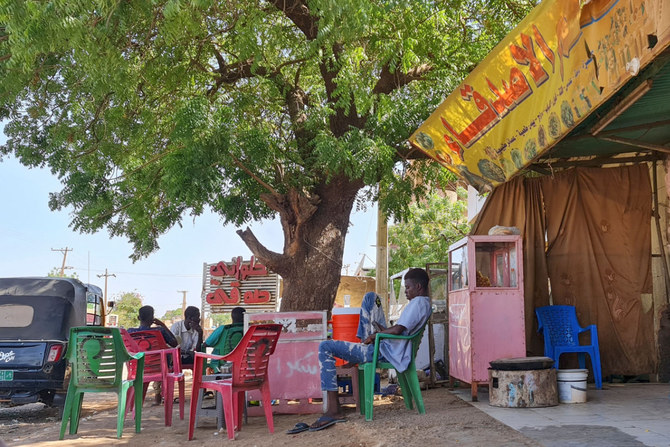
[(559, 325), (561, 330), (97, 356), (251, 356), (250, 361)]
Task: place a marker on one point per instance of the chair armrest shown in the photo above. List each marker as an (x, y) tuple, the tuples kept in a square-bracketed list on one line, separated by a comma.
[(379, 336), (137, 356), (594, 333), (208, 356), (401, 337)]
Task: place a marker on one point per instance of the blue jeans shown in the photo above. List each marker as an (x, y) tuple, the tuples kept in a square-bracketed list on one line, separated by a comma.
[(346, 350)]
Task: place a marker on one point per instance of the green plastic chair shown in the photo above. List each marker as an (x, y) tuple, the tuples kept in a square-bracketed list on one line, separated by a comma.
[(408, 380), (228, 340), (97, 357)]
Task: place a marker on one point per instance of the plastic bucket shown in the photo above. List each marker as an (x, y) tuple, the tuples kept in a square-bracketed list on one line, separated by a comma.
[(345, 326), (572, 385)]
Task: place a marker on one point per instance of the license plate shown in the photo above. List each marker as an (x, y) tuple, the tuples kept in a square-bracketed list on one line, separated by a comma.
[(6, 376)]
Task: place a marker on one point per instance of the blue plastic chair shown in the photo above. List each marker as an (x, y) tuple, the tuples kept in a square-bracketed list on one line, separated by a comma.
[(561, 331)]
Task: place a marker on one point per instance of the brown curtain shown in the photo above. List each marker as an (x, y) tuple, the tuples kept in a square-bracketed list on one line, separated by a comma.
[(598, 254), (518, 203), (599, 258)]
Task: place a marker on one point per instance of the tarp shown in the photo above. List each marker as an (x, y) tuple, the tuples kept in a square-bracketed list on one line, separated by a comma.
[(566, 58), (597, 255)]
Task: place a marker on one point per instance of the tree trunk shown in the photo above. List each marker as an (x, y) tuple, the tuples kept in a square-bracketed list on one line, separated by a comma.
[(315, 229)]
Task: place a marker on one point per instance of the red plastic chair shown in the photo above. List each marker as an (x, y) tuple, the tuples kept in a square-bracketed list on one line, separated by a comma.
[(250, 371), (157, 367)]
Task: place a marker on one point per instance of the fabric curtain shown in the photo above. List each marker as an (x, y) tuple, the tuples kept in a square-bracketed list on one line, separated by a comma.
[(599, 258), (597, 255)]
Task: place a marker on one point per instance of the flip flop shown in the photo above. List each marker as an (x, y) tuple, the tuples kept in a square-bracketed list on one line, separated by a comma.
[(298, 428), (325, 421)]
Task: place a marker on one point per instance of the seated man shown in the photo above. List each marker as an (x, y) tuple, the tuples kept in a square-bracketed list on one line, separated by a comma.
[(225, 338), (146, 317), (189, 335), (396, 352)]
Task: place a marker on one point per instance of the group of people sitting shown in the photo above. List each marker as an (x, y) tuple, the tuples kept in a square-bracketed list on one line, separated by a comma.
[(189, 335)]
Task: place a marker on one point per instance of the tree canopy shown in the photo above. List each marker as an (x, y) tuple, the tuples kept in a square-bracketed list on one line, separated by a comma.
[(425, 236), (153, 112), (127, 306)]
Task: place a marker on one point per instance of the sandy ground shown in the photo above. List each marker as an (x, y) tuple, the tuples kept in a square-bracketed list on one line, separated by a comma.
[(448, 421)]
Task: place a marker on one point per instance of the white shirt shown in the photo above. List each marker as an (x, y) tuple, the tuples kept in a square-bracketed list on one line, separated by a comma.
[(187, 338), (415, 315)]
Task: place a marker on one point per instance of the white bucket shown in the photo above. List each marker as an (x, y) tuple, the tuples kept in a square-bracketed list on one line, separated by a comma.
[(572, 385)]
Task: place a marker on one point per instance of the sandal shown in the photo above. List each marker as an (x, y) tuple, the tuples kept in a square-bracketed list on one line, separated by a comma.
[(325, 421), (298, 428)]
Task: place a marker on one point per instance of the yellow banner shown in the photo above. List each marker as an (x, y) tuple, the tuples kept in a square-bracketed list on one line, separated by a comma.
[(566, 58)]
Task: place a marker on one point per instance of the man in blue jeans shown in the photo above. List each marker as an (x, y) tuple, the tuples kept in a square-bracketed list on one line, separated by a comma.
[(396, 352)]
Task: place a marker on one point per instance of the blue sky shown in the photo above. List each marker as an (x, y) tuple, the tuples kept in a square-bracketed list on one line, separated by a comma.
[(29, 231)]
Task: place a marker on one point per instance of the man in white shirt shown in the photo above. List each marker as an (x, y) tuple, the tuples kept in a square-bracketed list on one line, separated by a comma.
[(189, 334), (397, 352)]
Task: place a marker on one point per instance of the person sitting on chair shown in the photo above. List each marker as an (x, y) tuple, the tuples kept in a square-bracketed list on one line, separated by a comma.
[(189, 334), (396, 352), (225, 338), (146, 317)]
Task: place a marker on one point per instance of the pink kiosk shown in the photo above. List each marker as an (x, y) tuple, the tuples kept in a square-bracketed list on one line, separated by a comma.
[(486, 309)]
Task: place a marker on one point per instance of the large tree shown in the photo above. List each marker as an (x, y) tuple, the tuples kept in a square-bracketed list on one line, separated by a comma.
[(151, 112)]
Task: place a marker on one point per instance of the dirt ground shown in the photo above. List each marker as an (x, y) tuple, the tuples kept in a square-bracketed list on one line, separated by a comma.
[(448, 421)]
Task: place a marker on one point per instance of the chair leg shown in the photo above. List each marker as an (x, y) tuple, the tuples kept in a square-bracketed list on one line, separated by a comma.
[(138, 409), (194, 407), (122, 397), (76, 412), (181, 398), (406, 390), (361, 391), (168, 394), (228, 411), (67, 410), (267, 405), (581, 357), (597, 371), (369, 389), (239, 402), (412, 381)]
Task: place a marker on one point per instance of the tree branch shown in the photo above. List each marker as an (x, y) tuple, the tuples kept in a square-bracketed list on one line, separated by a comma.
[(298, 12), (389, 81), (253, 176), (274, 261)]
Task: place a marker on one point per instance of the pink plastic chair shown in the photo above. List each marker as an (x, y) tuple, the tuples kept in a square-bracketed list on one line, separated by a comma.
[(250, 371), (157, 368)]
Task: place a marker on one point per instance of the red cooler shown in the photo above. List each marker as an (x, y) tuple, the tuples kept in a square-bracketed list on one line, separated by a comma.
[(345, 326)]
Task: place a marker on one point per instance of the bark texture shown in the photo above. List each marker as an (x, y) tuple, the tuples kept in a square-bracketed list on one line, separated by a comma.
[(315, 229)]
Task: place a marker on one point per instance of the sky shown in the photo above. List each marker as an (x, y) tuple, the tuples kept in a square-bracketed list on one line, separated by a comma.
[(30, 231)]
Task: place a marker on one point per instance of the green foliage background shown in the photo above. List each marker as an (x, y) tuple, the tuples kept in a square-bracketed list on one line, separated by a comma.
[(425, 236), (127, 306)]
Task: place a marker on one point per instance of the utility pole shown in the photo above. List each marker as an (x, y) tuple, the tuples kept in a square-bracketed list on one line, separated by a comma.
[(382, 264), (183, 301), (106, 275), (64, 251)]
